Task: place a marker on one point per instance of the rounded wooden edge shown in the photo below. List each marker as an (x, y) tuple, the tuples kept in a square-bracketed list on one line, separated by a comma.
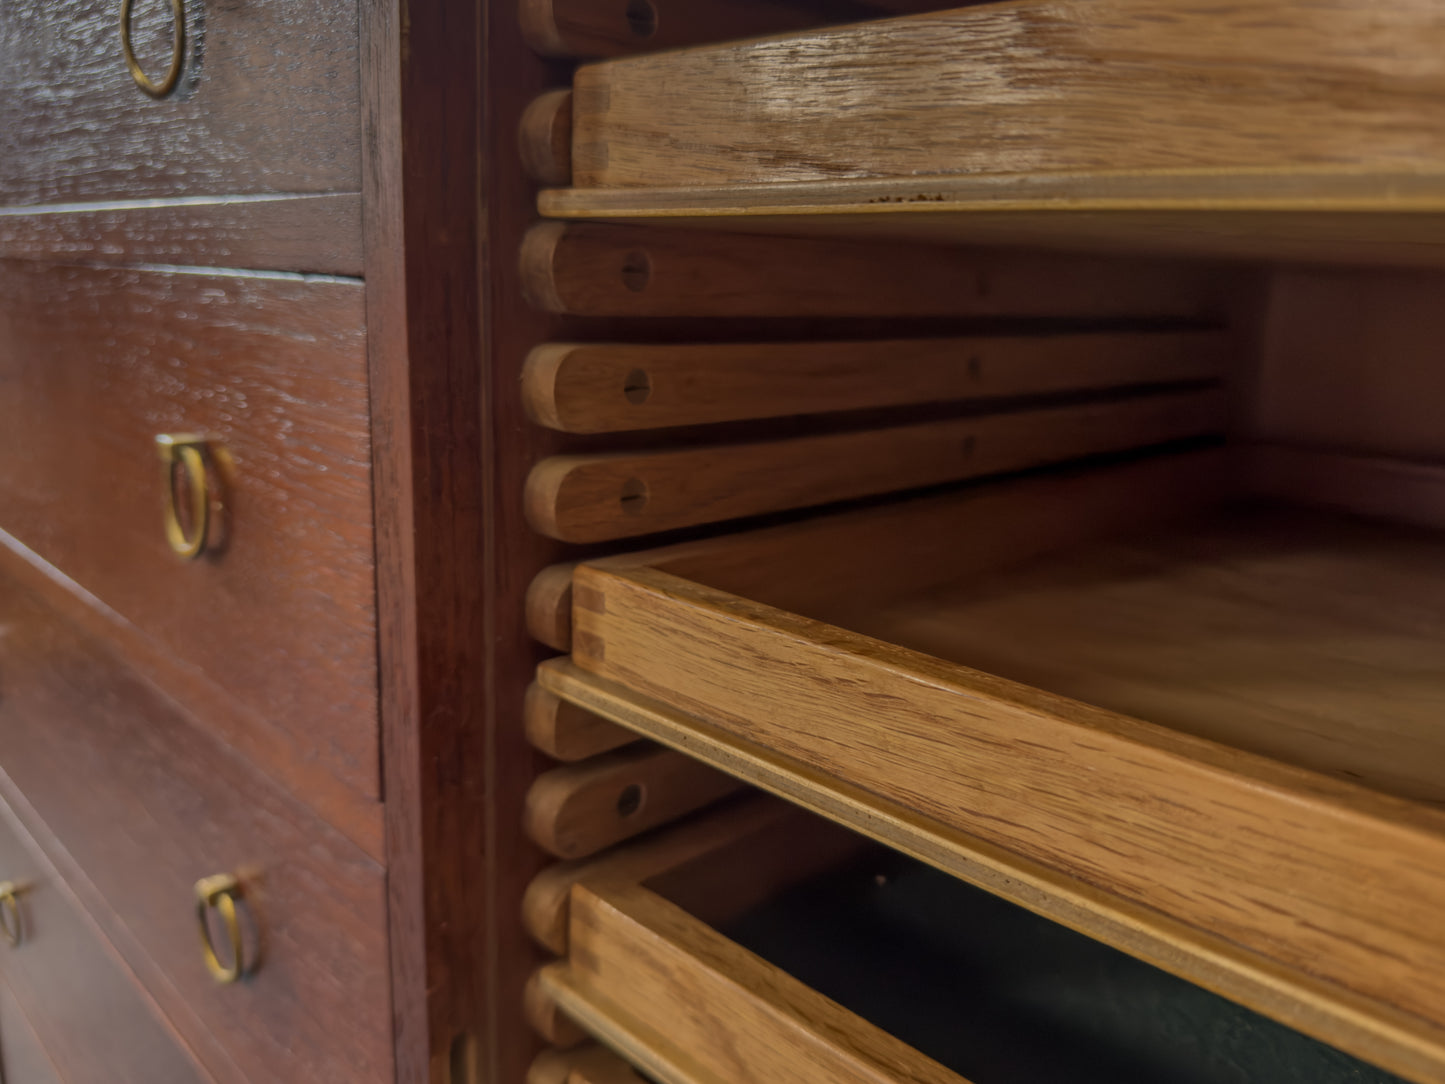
[(537, 266), (566, 732), (539, 384), (544, 138), (544, 905), (542, 497), (549, 607), (548, 1019), (538, 19)]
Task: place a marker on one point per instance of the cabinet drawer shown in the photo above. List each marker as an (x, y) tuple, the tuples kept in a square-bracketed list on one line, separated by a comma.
[(137, 805), (72, 997), (275, 630), (1172, 721), (267, 101), (787, 957)]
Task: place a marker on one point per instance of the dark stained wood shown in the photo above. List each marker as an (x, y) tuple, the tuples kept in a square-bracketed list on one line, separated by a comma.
[(96, 363), (22, 1059), (134, 804), (588, 269), (95, 1025), (320, 234), (268, 101), (453, 798)]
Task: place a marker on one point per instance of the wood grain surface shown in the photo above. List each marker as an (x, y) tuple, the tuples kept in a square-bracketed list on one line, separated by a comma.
[(1394, 489), (272, 369), (317, 234), (595, 28), (586, 269), (1348, 363), (548, 1020), (687, 1005), (1329, 884), (620, 495), (619, 387), (564, 731), (268, 102), (591, 1064), (134, 804), (1318, 215), (579, 809), (1031, 86), (22, 1059), (544, 907), (544, 138), (94, 1024)]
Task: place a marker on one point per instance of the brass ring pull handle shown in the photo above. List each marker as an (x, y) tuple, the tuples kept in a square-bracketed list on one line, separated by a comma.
[(186, 474), (11, 926), (218, 894), (178, 51)]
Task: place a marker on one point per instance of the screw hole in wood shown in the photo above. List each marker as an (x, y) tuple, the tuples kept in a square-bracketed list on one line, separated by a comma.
[(642, 18), (634, 496), (630, 800), (636, 271), (637, 386)]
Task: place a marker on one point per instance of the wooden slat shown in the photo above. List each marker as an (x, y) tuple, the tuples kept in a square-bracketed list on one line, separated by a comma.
[(549, 607), (1329, 891), (1032, 86), (598, 497), (1320, 1009), (586, 269), (547, 1019), (601, 28), (591, 1064), (544, 138), (544, 908), (1300, 216), (617, 387), (1394, 489), (674, 995), (579, 809), (566, 732)]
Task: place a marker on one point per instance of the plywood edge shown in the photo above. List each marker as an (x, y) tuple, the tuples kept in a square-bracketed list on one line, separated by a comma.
[(1395, 1040)]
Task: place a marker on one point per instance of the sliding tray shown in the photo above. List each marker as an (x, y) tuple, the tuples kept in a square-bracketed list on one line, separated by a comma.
[(790, 952), (1205, 733)]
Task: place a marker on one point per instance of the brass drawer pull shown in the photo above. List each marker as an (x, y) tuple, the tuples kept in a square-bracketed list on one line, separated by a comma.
[(219, 893), (178, 50), (12, 927), (187, 477)]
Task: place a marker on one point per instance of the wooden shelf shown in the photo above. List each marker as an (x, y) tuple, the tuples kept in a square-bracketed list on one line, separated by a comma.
[(1205, 735), (1306, 216)]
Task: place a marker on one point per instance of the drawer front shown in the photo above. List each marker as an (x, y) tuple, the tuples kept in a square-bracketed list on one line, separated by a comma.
[(22, 1059), (267, 100), (279, 623), (142, 805), (67, 984)]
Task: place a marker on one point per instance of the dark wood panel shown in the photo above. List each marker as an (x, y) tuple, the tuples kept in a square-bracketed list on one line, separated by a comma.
[(96, 363), (135, 804), (268, 101), (22, 1059), (95, 1025), (305, 233)]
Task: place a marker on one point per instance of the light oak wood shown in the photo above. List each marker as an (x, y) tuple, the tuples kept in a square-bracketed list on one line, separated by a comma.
[(1303, 215), (544, 138), (579, 809), (618, 387), (1160, 820), (591, 1064), (1031, 86), (544, 908), (1392, 489), (584, 269), (618, 495), (548, 607), (547, 1019), (566, 732), (688, 1006)]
